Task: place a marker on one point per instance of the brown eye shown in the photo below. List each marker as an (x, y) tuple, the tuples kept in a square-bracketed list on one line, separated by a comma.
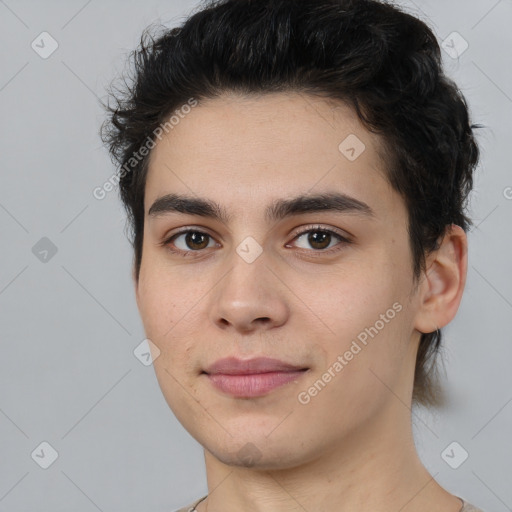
[(320, 239), (188, 241), (196, 240)]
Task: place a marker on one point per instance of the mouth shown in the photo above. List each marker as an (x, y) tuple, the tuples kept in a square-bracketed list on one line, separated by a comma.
[(253, 377)]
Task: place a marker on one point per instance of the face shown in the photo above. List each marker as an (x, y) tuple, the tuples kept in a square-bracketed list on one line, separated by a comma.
[(326, 290)]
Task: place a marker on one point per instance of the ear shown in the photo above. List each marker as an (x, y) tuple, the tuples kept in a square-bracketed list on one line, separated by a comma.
[(443, 284)]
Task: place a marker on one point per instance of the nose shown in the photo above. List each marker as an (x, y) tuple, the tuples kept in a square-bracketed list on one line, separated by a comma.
[(249, 297)]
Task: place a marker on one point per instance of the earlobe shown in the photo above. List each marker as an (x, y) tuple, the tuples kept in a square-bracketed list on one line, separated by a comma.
[(444, 282)]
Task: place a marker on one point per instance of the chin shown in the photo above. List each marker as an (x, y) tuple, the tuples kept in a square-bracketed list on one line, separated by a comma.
[(251, 457), (257, 452)]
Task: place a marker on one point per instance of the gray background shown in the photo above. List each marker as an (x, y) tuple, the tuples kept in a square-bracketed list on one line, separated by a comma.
[(69, 325)]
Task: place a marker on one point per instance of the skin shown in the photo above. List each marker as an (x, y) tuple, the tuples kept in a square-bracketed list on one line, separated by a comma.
[(351, 446)]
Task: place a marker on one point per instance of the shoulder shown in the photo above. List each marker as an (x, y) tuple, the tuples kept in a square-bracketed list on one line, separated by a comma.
[(191, 507), (468, 507), (185, 509)]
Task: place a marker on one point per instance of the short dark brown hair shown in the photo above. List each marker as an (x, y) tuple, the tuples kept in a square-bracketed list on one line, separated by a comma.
[(373, 56)]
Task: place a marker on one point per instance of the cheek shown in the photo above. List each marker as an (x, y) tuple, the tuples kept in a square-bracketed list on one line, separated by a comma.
[(361, 363), (346, 302), (173, 318), (162, 301), (363, 318)]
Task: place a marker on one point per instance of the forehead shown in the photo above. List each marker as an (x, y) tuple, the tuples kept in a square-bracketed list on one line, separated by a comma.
[(250, 149)]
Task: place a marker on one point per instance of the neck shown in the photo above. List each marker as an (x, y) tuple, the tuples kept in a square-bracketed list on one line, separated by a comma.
[(375, 468)]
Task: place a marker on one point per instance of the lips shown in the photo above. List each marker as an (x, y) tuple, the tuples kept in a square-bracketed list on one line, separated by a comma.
[(253, 377), (234, 366)]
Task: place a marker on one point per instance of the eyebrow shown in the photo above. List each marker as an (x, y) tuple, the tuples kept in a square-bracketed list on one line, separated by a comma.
[(277, 210)]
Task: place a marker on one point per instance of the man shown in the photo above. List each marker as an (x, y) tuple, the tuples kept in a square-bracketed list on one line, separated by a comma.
[(295, 173)]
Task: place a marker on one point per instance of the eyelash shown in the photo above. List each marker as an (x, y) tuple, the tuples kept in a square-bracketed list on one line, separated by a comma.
[(319, 252)]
